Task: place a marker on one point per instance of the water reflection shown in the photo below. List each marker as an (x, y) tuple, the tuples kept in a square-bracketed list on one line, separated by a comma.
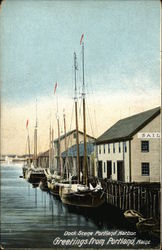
[(36, 197), (103, 217), (36, 217), (29, 190), (51, 207)]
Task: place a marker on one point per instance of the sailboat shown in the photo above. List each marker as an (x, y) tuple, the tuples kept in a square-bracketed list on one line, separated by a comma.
[(45, 183), (47, 171), (54, 180), (60, 180), (34, 173), (81, 194), (54, 188), (27, 163)]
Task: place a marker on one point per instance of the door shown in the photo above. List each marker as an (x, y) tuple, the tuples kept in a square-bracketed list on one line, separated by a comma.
[(109, 169), (100, 169), (120, 170)]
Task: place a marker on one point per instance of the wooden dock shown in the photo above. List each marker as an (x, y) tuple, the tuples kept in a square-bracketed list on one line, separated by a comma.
[(142, 197)]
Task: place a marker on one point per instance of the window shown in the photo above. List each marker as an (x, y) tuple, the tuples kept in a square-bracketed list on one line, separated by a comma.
[(113, 147), (144, 146), (104, 148), (74, 135), (108, 148), (104, 168), (119, 148), (125, 146), (99, 149), (145, 168), (114, 167)]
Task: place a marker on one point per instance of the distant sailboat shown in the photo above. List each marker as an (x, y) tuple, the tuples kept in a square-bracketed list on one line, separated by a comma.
[(34, 173), (26, 165), (81, 194)]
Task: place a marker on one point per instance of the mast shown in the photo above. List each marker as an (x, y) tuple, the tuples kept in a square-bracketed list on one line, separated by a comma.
[(59, 141), (50, 148), (35, 138), (76, 117), (85, 173), (52, 151), (59, 145), (28, 140), (29, 148), (65, 144)]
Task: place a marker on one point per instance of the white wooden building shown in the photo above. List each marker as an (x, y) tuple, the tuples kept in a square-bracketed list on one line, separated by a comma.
[(129, 151)]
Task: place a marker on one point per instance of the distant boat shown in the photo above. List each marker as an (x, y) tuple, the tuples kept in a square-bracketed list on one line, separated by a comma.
[(81, 194), (27, 163), (24, 169), (8, 159), (33, 174)]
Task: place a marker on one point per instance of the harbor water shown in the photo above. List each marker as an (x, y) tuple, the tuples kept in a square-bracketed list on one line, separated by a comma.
[(32, 218)]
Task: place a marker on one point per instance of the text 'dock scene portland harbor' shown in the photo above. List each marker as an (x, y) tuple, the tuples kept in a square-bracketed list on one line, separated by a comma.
[(81, 124)]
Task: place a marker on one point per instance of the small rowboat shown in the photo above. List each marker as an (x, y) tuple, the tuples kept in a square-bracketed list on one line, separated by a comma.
[(132, 215), (149, 225)]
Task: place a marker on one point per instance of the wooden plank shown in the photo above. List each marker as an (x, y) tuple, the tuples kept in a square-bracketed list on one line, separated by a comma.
[(113, 194), (126, 198), (147, 204), (123, 198), (107, 192), (134, 198), (116, 195), (129, 197), (150, 202), (159, 203), (139, 199), (120, 198), (154, 206)]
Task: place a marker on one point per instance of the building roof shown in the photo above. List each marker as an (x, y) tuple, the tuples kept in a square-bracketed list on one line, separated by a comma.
[(44, 154), (71, 132), (124, 129), (72, 151)]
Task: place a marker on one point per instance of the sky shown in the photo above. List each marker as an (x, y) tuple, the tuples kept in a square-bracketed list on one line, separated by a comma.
[(38, 39)]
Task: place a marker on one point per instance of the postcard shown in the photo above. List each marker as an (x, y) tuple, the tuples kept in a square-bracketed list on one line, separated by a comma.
[(80, 124)]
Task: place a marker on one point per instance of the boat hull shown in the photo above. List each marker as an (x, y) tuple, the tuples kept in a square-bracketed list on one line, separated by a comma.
[(35, 177), (49, 184), (43, 185), (54, 189), (83, 199), (24, 170)]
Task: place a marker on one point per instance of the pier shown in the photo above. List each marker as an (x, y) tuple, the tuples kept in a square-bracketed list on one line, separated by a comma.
[(142, 197)]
